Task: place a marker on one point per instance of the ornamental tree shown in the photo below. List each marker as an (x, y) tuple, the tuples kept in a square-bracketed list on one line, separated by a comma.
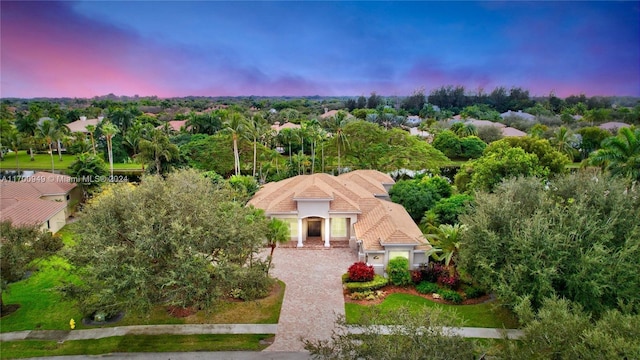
[(180, 241)]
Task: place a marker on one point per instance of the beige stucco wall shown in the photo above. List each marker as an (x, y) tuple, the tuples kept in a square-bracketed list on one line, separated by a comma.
[(56, 222)]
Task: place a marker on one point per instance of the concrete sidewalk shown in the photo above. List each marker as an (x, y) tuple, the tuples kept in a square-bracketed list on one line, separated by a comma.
[(192, 329)]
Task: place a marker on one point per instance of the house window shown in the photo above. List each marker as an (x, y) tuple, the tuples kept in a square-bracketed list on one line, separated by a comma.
[(339, 227), (395, 254), (293, 227)]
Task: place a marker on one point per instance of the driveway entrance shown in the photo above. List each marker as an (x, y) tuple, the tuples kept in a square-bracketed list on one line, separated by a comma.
[(313, 296)]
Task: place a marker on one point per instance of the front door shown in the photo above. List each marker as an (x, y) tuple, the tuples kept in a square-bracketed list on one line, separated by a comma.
[(314, 228)]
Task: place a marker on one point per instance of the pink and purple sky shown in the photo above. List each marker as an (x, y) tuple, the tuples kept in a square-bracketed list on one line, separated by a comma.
[(212, 48)]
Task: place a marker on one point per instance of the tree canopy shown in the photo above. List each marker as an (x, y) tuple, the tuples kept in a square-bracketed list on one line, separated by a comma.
[(419, 195), (577, 236), (180, 241)]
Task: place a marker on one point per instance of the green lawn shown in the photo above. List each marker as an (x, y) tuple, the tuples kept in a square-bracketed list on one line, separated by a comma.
[(43, 308), (134, 343), (43, 162), (488, 315)]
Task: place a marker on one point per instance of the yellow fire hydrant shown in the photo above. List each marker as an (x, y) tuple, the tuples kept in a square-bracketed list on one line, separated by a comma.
[(72, 324)]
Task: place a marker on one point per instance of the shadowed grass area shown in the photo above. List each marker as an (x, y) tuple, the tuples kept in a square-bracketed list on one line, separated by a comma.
[(41, 306), (43, 162), (134, 343), (488, 315)]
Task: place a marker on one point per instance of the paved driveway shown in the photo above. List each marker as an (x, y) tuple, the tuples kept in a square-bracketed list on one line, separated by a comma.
[(313, 296)]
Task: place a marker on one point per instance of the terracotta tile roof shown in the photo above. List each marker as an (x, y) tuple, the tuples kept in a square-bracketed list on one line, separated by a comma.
[(175, 125), (30, 211), (21, 202), (613, 125), (509, 131), (312, 191), (51, 184), (379, 221), (81, 125), (277, 127)]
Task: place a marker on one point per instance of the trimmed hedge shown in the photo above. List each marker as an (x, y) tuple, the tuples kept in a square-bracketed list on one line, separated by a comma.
[(426, 287), (450, 295), (474, 292), (375, 284)]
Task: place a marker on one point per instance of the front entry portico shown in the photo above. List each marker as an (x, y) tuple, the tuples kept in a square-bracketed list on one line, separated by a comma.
[(315, 227)]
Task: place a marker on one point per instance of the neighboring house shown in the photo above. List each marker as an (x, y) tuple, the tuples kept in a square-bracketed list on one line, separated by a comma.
[(352, 208), (413, 120), (43, 199), (288, 125), (81, 125), (518, 114), (512, 132), (421, 133), (175, 125), (613, 126)]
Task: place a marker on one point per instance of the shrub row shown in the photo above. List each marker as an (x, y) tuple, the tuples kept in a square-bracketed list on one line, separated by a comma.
[(375, 284), (473, 292), (426, 287), (450, 295)]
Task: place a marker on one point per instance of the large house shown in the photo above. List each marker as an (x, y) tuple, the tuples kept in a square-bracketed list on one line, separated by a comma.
[(81, 125), (43, 199), (351, 208)]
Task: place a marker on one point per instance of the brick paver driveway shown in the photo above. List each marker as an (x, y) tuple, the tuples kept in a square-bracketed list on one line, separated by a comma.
[(313, 296)]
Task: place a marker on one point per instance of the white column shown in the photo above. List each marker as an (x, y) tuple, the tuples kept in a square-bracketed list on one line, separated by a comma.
[(327, 232), (299, 232)]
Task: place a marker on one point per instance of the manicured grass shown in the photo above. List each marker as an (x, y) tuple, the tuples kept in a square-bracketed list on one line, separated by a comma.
[(488, 315), (43, 162), (41, 306), (134, 343)]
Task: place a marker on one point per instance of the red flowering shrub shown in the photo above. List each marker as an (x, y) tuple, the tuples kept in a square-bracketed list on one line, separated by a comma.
[(432, 272), (361, 272), (416, 276), (450, 281)]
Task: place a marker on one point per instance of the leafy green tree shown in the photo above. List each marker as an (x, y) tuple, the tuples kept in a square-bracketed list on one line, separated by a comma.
[(489, 134), (335, 126), (448, 209), (429, 334), (158, 150), (549, 158), (486, 172), (563, 330), (448, 143), (620, 154), (592, 137), (179, 241), (574, 237), (13, 139), (471, 147), (19, 247), (419, 195)]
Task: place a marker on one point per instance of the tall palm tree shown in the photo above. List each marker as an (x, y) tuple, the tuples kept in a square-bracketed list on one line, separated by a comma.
[(157, 149), (314, 133), (620, 154), (236, 125), (446, 242), (47, 132), (256, 128), (61, 134), (14, 141), (28, 126), (109, 130), (336, 126), (91, 129), (286, 137)]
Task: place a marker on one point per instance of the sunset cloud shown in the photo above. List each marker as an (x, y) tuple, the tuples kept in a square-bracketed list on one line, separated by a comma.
[(84, 49)]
